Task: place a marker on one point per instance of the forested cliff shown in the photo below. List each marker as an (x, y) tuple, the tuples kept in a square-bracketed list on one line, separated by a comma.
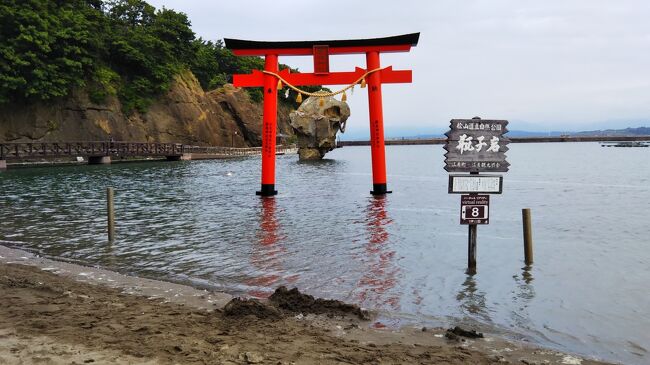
[(87, 69)]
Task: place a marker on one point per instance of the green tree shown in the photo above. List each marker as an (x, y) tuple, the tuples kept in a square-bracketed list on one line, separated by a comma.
[(46, 47), (111, 47), (147, 48)]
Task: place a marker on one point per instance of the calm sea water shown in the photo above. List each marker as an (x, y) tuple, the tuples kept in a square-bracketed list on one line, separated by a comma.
[(201, 222)]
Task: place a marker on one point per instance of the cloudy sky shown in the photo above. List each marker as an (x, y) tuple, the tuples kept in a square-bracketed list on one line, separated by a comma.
[(544, 65)]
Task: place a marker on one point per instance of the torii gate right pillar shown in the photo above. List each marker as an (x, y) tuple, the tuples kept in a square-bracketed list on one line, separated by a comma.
[(377, 144)]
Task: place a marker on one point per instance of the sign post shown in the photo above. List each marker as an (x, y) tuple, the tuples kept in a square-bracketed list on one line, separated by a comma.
[(471, 249), (474, 146)]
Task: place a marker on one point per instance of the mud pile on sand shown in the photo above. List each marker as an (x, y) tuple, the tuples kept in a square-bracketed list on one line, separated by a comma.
[(457, 332), (240, 307), (288, 302), (294, 301)]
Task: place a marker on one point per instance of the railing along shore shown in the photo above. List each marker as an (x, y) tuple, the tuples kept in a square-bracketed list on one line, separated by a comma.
[(18, 150), (120, 149)]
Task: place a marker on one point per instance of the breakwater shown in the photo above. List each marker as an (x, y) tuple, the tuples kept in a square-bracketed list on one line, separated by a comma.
[(426, 141)]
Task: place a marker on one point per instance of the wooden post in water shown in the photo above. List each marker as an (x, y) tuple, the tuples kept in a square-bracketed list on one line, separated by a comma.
[(528, 236), (110, 209)]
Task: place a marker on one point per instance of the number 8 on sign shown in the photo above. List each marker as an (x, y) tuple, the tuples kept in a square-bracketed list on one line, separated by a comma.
[(475, 212), (474, 209)]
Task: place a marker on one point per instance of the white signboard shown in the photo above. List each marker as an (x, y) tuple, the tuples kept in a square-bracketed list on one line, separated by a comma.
[(487, 184)]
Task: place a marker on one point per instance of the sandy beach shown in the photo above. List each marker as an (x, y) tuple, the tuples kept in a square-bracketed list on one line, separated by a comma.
[(59, 313)]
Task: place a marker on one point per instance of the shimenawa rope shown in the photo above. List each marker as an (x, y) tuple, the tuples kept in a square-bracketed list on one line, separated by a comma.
[(321, 94)]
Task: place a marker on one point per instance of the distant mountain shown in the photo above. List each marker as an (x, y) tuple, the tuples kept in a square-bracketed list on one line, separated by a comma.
[(640, 131), (570, 128)]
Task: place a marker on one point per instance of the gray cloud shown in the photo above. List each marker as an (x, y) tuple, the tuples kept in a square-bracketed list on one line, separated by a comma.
[(554, 64)]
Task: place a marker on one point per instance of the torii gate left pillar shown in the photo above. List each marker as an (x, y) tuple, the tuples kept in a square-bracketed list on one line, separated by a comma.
[(321, 50)]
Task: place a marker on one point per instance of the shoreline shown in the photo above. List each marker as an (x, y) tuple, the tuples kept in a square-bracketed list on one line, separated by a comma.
[(68, 313), (25, 164)]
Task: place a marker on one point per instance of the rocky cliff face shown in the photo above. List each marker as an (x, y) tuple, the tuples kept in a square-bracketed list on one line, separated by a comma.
[(187, 114)]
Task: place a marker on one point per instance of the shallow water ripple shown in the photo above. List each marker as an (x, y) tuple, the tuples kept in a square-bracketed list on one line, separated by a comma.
[(200, 222)]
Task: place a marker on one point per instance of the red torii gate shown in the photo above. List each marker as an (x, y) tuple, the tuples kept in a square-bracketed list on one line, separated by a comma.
[(320, 50)]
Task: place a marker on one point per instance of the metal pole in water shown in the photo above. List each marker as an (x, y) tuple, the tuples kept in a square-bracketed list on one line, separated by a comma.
[(471, 249), (110, 209), (471, 243), (528, 236)]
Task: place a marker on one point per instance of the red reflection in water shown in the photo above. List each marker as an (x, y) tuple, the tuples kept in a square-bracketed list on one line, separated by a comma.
[(266, 253), (269, 223), (374, 287)]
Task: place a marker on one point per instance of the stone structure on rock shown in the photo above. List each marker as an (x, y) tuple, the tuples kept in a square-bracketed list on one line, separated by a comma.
[(316, 126)]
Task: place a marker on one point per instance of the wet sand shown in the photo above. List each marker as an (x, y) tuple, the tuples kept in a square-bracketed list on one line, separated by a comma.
[(58, 313)]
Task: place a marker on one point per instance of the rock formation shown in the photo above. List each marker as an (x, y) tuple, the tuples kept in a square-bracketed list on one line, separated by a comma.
[(316, 126), (186, 114)]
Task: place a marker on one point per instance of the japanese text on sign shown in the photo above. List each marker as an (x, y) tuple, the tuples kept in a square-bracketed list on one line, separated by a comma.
[(478, 126), (475, 145), (466, 144)]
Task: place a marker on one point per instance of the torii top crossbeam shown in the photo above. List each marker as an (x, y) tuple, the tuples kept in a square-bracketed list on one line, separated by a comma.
[(320, 50), (400, 43)]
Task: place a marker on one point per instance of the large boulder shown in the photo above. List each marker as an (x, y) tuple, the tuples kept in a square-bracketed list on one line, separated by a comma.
[(316, 125)]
